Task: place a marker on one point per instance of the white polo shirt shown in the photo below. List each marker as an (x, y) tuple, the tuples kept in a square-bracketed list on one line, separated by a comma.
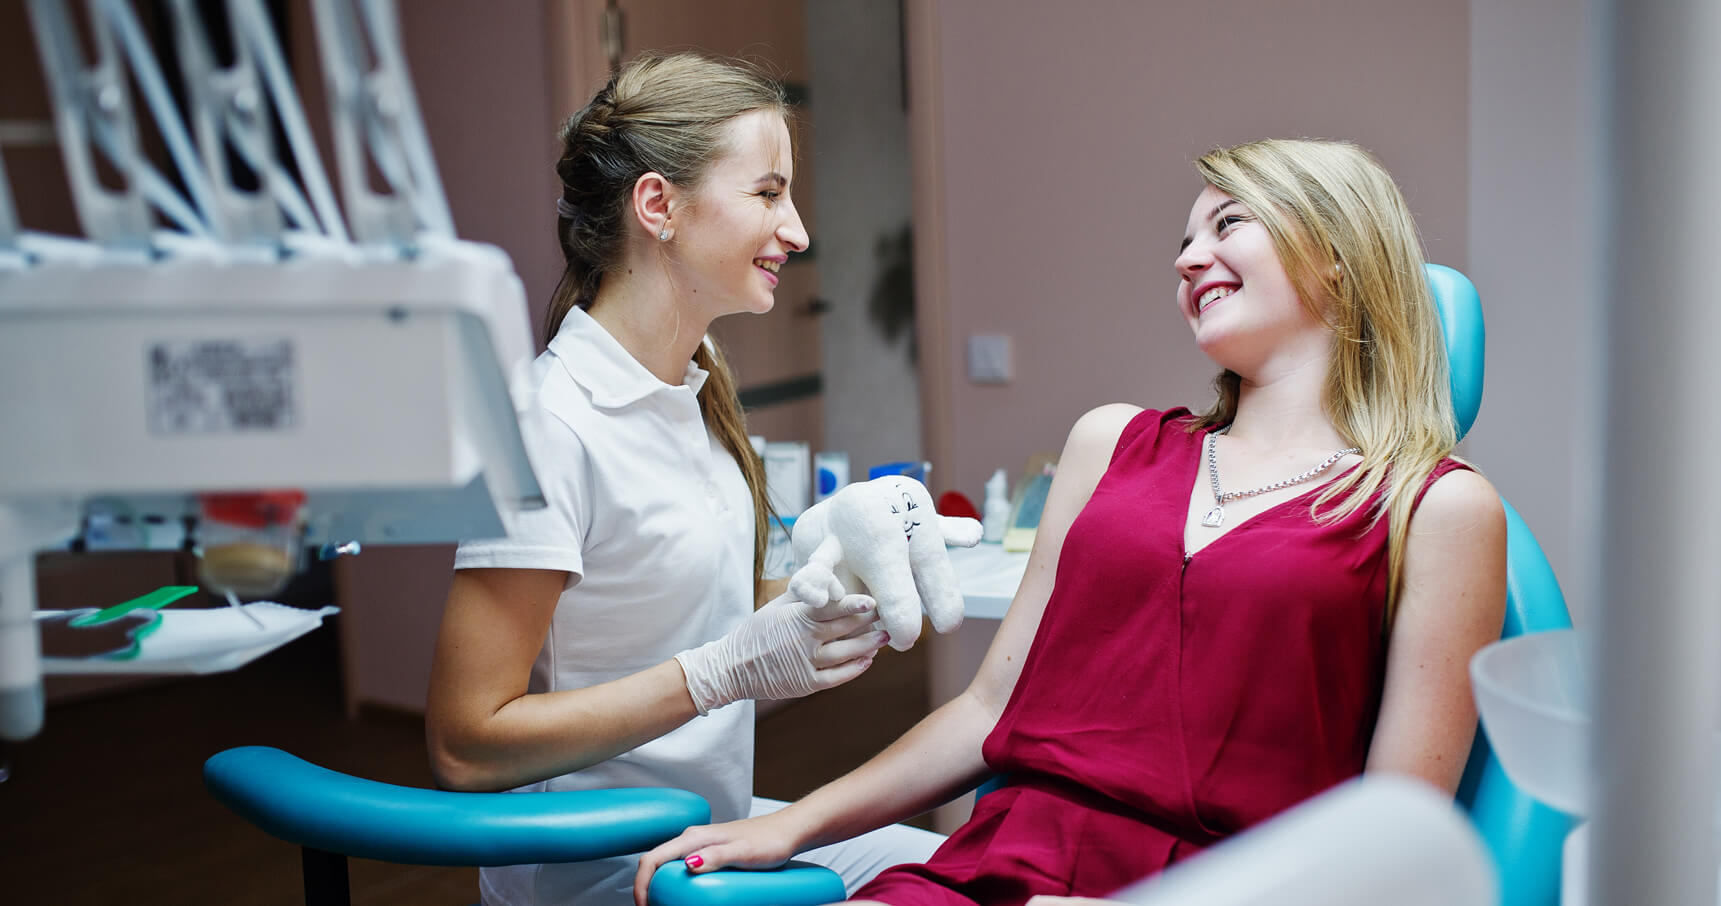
[(653, 520)]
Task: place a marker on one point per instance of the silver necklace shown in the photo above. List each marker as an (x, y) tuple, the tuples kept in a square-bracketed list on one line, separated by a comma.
[(1216, 516)]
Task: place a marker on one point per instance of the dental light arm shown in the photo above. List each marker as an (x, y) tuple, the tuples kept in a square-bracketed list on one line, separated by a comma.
[(376, 119), (228, 107), (159, 99), (253, 35), (90, 99)]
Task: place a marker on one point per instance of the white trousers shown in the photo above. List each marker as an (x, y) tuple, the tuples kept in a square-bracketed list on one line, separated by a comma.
[(609, 882)]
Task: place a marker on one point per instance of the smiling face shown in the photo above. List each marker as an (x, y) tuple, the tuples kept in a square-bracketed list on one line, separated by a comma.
[(741, 224), (1234, 293)]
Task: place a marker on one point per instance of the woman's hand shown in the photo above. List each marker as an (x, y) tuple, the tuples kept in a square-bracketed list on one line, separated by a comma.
[(762, 842), (785, 649)]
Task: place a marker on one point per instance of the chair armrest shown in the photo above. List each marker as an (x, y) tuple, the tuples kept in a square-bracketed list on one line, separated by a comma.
[(794, 884), (315, 807)]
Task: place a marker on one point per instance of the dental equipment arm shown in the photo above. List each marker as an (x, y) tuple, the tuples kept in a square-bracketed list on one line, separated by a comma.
[(376, 114), (88, 100), (258, 377)]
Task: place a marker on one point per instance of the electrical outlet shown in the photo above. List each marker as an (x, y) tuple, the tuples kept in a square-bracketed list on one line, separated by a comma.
[(989, 358)]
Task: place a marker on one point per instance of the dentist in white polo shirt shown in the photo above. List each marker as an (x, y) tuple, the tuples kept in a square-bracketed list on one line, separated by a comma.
[(612, 638)]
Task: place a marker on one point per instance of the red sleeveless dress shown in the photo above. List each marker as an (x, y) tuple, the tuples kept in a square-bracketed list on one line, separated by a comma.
[(1169, 703)]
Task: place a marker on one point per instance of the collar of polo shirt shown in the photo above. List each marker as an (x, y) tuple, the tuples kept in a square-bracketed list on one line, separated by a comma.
[(607, 371)]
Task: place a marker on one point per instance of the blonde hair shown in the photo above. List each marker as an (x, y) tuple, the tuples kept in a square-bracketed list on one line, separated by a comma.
[(1346, 239), (663, 113)]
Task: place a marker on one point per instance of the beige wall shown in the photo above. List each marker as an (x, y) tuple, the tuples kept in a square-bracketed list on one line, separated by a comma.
[(1067, 134), (482, 73), (1534, 227)]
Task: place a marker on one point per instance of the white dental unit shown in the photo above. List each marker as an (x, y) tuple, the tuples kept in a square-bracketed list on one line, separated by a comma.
[(272, 382), (254, 373)]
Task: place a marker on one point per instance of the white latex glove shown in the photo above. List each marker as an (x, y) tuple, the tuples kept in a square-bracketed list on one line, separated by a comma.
[(785, 649)]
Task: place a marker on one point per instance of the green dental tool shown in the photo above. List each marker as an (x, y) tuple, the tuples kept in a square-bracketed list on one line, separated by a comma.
[(115, 633)]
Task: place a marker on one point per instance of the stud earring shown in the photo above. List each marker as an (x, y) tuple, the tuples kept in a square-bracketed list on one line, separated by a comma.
[(663, 234)]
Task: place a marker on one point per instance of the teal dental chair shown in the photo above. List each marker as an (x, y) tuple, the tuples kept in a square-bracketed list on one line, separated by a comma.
[(1524, 836), (332, 815)]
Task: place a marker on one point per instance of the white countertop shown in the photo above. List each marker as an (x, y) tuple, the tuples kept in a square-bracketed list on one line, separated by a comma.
[(988, 576)]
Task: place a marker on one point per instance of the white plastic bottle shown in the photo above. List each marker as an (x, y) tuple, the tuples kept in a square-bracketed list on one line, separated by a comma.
[(995, 514)]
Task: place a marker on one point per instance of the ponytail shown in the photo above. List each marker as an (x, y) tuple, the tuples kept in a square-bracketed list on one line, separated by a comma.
[(723, 416)]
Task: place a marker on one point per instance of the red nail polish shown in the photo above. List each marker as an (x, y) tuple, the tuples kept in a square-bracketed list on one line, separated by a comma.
[(694, 861), (887, 638)]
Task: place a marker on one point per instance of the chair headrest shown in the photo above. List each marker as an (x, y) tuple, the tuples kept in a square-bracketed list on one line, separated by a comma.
[(1466, 340)]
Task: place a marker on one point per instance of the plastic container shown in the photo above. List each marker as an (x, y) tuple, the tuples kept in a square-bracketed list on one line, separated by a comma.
[(250, 543), (995, 518), (1533, 692), (918, 470), (830, 473), (1533, 696), (788, 476)]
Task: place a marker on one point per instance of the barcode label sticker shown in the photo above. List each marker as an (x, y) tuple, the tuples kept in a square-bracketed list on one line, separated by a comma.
[(221, 386)]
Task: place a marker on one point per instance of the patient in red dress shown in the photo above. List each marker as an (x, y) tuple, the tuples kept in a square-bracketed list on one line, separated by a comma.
[(1224, 613)]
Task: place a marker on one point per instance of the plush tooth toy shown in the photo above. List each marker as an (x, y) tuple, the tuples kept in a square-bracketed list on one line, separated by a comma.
[(883, 538)]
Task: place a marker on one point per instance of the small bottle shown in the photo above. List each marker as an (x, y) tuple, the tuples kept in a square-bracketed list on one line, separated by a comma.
[(830, 473), (995, 514)]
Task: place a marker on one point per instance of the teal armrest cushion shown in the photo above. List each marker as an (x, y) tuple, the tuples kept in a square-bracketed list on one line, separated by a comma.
[(323, 809), (795, 884)]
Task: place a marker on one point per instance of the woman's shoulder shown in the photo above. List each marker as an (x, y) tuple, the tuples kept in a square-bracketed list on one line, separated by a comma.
[(1102, 422), (1112, 419), (1105, 432), (1456, 497), (1115, 426)]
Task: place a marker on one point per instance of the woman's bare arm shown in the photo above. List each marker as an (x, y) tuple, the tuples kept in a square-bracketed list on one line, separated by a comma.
[(1451, 604), (940, 757)]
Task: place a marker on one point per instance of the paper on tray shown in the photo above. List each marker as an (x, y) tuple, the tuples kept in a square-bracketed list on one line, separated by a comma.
[(208, 640)]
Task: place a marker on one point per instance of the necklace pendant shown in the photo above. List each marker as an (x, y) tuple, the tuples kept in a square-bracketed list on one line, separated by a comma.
[(1215, 517)]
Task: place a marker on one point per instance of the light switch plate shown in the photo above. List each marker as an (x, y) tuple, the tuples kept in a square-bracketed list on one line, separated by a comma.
[(989, 358)]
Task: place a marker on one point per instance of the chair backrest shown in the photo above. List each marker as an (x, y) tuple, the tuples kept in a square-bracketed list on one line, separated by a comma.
[(1524, 836)]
